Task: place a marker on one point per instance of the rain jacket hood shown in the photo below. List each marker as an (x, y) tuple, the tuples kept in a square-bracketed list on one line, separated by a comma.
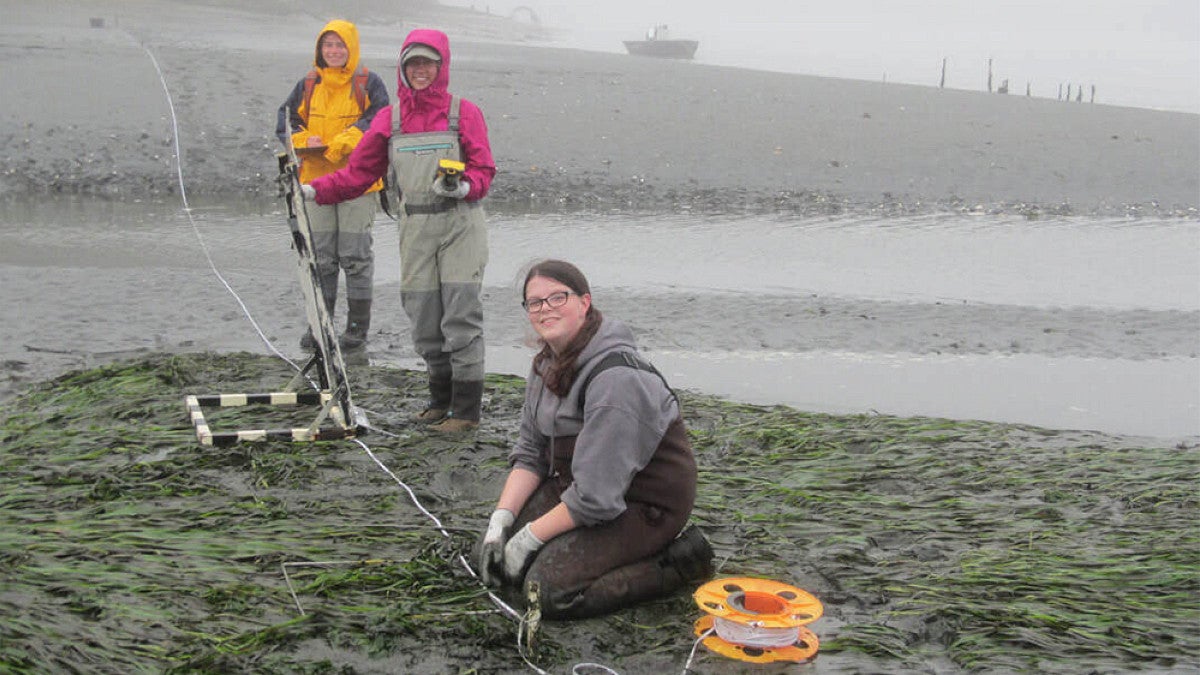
[(338, 77), (437, 95)]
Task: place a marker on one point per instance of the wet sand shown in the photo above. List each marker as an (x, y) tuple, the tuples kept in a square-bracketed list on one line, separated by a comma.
[(118, 279), (569, 129)]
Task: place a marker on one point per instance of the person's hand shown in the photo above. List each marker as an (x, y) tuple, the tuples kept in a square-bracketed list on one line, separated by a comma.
[(491, 547), (309, 192), (314, 142), (439, 188), (518, 554)]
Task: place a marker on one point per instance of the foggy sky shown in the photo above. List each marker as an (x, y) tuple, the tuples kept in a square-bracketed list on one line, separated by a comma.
[(1143, 53)]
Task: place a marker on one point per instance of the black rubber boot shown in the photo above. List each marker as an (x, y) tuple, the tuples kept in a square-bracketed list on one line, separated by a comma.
[(441, 389), (309, 343), (690, 555), (358, 321), (466, 400)]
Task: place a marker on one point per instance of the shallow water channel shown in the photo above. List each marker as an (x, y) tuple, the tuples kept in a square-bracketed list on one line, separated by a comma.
[(1069, 323)]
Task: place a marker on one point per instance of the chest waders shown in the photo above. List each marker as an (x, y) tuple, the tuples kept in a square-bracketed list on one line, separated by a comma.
[(590, 571), (443, 251)]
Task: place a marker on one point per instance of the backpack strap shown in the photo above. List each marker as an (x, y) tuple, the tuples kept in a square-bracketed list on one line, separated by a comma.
[(310, 83), (622, 359), (358, 87)]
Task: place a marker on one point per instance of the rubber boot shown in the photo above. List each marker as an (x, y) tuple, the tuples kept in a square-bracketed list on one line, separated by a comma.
[(690, 555), (309, 343), (441, 389), (465, 403), (358, 321)]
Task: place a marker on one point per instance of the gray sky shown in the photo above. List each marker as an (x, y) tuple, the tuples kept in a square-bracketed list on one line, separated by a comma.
[(1142, 53)]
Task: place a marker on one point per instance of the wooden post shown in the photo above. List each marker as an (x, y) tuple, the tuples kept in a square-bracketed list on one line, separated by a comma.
[(1093, 94), (1027, 90), (942, 83), (989, 76), (1060, 91)]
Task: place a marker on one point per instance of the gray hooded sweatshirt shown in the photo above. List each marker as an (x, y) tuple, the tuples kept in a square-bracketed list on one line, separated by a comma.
[(627, 413)]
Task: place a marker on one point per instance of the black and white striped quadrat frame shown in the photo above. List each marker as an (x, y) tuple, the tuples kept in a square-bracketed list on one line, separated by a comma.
[(315, 432), (333, 395)]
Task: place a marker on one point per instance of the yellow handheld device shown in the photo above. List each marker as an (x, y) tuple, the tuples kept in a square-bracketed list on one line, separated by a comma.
[(449, 170)]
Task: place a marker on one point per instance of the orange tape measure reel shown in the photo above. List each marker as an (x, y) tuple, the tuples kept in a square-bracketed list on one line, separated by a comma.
[(757, 620)]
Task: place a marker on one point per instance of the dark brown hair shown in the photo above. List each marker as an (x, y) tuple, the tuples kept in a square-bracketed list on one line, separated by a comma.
[(321, 63), (558, 370)]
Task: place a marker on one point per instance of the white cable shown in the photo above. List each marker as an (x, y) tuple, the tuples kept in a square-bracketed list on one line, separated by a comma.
[(755, 636), (462, 560), (595, 666), (187, 209), (687, 666)]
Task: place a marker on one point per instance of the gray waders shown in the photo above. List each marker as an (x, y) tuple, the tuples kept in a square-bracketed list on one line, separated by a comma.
[(443, 251), (342, 239)]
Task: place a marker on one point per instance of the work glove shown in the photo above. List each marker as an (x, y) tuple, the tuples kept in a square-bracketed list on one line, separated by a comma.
[(439, 188), (309, 192), (491, 547), (518, 554)]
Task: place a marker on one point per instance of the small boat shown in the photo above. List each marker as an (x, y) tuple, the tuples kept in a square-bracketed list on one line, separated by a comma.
[(659, 45)]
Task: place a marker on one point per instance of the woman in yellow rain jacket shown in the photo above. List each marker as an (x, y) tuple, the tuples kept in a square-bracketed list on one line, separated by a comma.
[(329, 109)]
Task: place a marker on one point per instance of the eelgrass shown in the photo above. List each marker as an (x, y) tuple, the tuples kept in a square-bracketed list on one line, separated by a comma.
[(127, 547)]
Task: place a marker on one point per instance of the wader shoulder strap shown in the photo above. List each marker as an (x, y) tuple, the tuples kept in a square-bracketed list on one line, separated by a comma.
[(454, 106), (453, 121), (389, 183), (622, 359)]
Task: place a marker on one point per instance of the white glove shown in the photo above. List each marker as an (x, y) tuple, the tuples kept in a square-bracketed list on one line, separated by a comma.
[(518, 554), (491, 548), (309, 192), (460, 192)]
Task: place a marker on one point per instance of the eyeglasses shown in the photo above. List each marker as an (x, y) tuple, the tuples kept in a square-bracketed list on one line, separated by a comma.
[(553, 301)]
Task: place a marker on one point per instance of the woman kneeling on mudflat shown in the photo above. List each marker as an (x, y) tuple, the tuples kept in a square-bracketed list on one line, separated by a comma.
[(603, 478)]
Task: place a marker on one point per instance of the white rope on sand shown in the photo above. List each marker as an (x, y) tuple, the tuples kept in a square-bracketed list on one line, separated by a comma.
[(187, 209)]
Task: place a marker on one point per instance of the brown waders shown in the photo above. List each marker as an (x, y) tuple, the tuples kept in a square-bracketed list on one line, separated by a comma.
[(635, 557)]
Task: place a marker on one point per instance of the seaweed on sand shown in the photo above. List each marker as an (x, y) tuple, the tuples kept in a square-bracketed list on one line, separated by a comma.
[(127, 547)]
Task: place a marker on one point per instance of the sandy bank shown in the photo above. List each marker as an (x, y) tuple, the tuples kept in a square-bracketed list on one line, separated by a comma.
[(570, 129)]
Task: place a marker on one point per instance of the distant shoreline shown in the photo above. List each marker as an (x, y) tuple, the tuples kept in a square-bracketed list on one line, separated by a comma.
[(573, 130)]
